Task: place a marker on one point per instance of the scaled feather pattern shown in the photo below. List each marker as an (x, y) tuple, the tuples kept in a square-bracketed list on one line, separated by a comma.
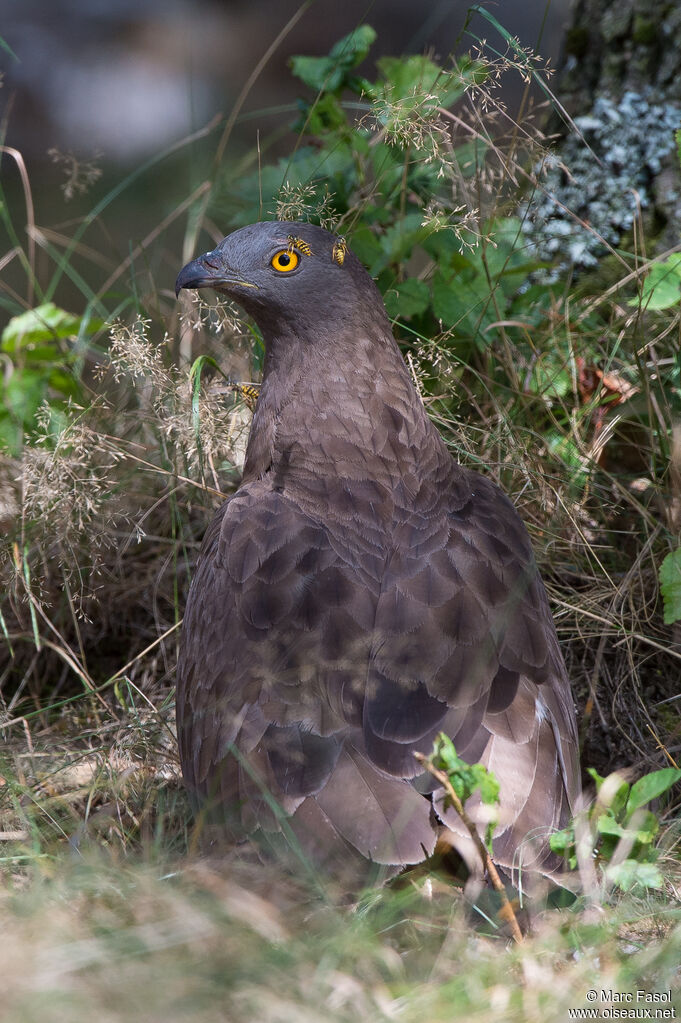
[(360, 593)]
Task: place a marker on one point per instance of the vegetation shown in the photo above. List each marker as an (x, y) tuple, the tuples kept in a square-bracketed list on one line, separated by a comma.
[(118, 437)]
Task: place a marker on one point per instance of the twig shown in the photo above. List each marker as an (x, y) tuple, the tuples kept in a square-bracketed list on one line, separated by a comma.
[(506, 911)]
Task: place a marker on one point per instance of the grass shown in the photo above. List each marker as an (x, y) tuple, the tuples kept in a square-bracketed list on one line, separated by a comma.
[(566, 394), (112, 938)]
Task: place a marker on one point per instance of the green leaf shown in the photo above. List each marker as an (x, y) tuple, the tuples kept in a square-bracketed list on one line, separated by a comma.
[(631, 874), (367, 247), (487, 784), (330, 74), (64, 383), (399, 240), (670, 586), (323, 116), (11, 434), (549, 378), (462, 301), (562, 841), (651, 786), (418, 77), (45, 323), (450, 303), (407, 299), (465, 778), (645, 827), (662, 286), (641, 835), (607, 825), (570, 453), (445, 753), (353, 48), (23, 394), (618, 799), (407, 75), (598, 778)]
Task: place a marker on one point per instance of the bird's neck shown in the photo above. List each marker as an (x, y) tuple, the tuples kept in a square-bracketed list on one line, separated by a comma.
[(345, 408)]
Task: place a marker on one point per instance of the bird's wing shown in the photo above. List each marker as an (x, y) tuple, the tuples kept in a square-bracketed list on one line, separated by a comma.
[(309, 674), (271, 678), (465, 644)]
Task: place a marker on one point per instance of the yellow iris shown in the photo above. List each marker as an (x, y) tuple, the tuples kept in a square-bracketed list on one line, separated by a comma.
[(285, 260)]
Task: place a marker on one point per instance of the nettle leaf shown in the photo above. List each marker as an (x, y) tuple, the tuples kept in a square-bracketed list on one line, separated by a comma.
[(644, 827), (570, 454), (47, 322), (387, 164), (670, 586), (563, 843), (651, 786), (410, 298), (618, 799), (366, 245), (399, 241), (330, 74)]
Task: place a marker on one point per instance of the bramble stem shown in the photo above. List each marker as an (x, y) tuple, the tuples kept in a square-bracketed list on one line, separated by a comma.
[(506, 911)]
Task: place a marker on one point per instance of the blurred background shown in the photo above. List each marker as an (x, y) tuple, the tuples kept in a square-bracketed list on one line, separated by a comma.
[(124, 78), (93, 89)]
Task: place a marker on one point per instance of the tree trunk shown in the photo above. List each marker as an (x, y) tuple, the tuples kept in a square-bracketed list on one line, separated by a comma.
[(616, 46), (621, 84)]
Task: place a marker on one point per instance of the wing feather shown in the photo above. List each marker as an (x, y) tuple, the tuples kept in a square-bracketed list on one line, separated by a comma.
[(325, 651)]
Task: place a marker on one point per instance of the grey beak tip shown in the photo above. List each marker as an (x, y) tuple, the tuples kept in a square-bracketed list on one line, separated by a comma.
[(190, 276)]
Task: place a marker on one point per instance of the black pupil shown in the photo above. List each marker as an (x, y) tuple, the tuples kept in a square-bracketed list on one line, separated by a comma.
[(284, 259)]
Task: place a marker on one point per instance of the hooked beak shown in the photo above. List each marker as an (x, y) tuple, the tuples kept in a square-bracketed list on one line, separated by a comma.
[(209, 271)]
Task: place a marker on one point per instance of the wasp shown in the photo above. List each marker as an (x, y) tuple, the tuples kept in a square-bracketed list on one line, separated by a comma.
[(340, 248), (298, 243), (249, 393)]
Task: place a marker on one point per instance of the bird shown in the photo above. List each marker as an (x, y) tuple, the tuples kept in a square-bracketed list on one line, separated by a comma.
[(360, 593)]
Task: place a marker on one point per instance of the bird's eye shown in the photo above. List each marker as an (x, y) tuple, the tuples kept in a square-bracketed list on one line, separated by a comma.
[(285, 260)]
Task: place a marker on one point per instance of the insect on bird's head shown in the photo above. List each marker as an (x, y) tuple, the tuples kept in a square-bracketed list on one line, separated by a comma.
[(283, 271)]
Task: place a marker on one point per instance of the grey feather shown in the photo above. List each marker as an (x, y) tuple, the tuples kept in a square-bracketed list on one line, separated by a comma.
[(359, 593)]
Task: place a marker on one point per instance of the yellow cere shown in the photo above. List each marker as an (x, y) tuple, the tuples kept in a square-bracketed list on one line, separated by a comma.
[(284, 261)]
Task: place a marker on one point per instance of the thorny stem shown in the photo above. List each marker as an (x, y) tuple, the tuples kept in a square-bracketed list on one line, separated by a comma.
[(507, 912)]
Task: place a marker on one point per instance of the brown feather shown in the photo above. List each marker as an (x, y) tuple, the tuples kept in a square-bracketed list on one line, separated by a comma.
[(360, 592)]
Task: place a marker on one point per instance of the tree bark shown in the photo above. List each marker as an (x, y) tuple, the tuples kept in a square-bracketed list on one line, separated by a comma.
[(613, 46)]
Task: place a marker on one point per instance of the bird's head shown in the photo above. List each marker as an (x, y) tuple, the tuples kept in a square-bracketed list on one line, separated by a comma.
[(287, 274)]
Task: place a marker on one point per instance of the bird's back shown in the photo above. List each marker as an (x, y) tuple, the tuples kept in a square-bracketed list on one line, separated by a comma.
[(352, 600)]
